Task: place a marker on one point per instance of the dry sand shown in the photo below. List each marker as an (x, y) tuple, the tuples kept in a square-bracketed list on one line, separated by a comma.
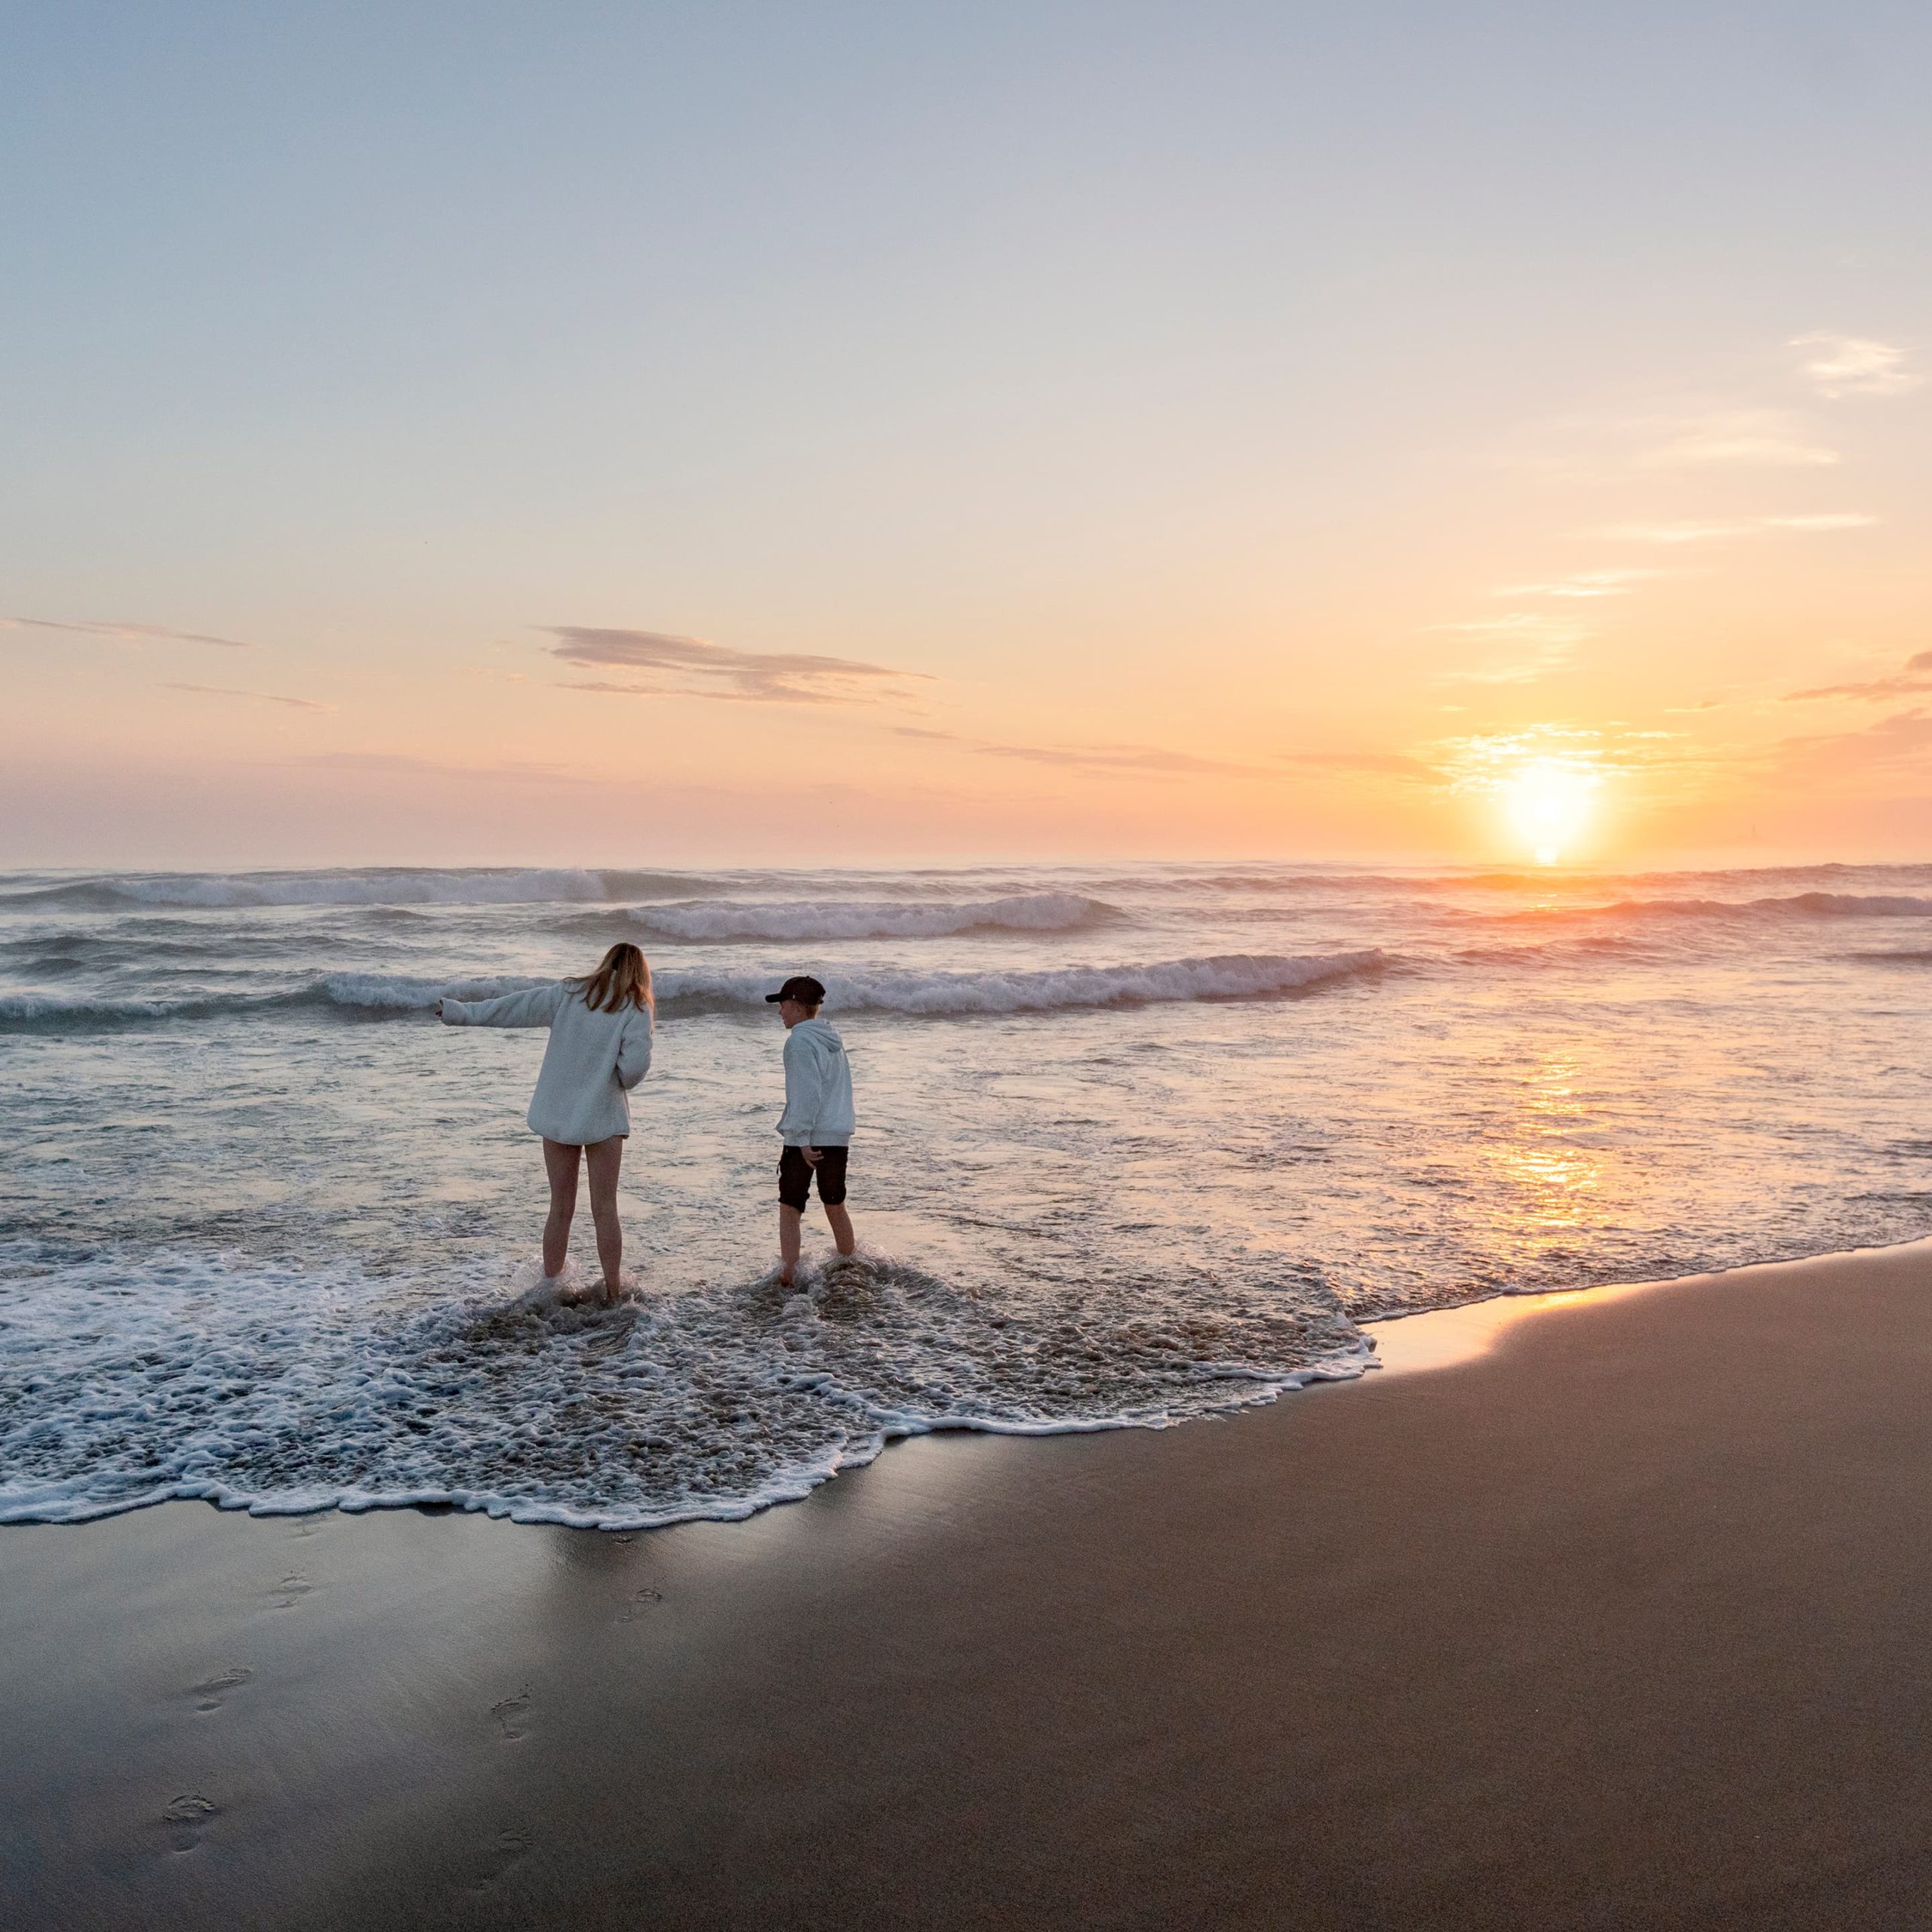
[(1622, 1623)]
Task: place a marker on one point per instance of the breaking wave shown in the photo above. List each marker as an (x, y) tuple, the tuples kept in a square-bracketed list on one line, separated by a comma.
[(1797, 905), (381, 996), (806, 919), (373, 886)]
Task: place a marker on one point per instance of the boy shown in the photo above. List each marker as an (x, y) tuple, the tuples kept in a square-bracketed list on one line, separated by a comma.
[(816, 1123)]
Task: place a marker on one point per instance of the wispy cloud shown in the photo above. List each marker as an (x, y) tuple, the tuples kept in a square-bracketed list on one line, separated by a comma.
[(135, 634), (406, 765), (1519, 623), (1904, 738), (1535, 642), (1915, 677), (1484, 760), (1381, 764), (1093, 758), (1855, 365), (1615, 582), (1113, 757), (1154, 760), (1724, 530), (261, 697), (743, 676), (1747, 437)]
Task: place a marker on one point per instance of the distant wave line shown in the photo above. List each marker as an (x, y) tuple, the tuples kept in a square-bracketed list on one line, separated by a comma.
[(888, 990)]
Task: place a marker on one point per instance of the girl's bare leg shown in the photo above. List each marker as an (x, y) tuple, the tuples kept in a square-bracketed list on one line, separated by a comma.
[(604, 1160), (560, 1163), (790, 1222)]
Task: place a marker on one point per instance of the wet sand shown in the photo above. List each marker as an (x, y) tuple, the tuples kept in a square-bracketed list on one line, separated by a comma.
[(1617, 1616)]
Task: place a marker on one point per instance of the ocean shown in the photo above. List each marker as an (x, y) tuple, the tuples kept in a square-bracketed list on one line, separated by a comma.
[(1137, 1144)]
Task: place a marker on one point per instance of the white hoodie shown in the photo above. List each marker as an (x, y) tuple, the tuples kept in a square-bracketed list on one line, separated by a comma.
[(592, 1059), (818, 1087)]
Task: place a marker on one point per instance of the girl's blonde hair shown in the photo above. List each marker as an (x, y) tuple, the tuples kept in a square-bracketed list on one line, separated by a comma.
[(623, 978)]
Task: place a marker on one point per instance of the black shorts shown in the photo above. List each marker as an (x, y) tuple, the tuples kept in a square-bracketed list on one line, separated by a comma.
[(795, 1173)]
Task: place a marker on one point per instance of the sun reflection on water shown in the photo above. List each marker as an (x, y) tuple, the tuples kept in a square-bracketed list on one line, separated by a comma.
[(1550, 1176)]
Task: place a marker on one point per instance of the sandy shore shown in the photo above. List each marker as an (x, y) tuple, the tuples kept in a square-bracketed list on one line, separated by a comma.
[(1618, 1619)]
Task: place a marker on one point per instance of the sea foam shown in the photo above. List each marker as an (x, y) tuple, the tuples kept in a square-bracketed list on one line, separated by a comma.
[(278, 1390)]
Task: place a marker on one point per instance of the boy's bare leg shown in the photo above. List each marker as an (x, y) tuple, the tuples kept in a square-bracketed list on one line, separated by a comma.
[(604, 1160), (560, 1163), (790, 1221), (841, 1223)]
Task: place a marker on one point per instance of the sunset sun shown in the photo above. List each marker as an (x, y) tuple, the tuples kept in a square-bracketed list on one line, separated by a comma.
[(1549, 804)]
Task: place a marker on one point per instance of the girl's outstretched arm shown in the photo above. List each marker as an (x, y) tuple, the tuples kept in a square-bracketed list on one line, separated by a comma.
[(535, 1007)]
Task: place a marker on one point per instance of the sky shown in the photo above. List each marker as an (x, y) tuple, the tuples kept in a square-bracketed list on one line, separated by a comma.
[(616, 434)]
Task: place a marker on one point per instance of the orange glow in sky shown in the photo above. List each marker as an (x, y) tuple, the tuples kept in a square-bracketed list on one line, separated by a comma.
[(1242, 447)]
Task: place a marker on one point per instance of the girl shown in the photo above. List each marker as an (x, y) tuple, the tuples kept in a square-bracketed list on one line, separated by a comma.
[(599, 1048)]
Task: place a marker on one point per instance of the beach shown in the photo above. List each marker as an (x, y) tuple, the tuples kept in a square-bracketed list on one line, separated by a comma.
[(1605, 1609)]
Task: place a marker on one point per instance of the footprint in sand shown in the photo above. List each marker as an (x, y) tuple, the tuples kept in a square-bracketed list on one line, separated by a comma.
[(291, 1590), (212, 1692), (186, 1816), (511, 1712), (503, 1851), (640, 1603)]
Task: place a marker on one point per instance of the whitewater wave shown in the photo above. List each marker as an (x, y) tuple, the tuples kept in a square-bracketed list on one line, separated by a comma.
[(716, 921), (1797, 905), (371, 886), (1224, 976), (892, 990), (278, 1390)]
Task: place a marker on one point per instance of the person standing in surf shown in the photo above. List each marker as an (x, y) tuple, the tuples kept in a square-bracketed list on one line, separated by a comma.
[(816, 1123), (598, 1050)]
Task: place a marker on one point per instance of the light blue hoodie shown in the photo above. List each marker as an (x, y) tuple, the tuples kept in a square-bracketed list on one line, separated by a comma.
[(818, 1087)]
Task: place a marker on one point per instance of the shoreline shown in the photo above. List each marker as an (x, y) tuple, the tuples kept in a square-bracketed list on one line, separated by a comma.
[(1434, 1338), (1615, 1623), (1402, 1344)]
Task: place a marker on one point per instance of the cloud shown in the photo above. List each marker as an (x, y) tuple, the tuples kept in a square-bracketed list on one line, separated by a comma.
[(1519, 623), (261, 697), (1152, 759), (403, 764), (1486, 760), (1904, 738), (1386, 764), (1915, 676), (1092, 757), (1584, 583), (1547, 642), (1754, 437), (1113, 757), (1855, 365), (742, 676), (135, 634), (1717, 531)]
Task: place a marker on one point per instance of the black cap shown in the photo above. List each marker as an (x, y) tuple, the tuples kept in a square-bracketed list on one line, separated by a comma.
[(802, 987)]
